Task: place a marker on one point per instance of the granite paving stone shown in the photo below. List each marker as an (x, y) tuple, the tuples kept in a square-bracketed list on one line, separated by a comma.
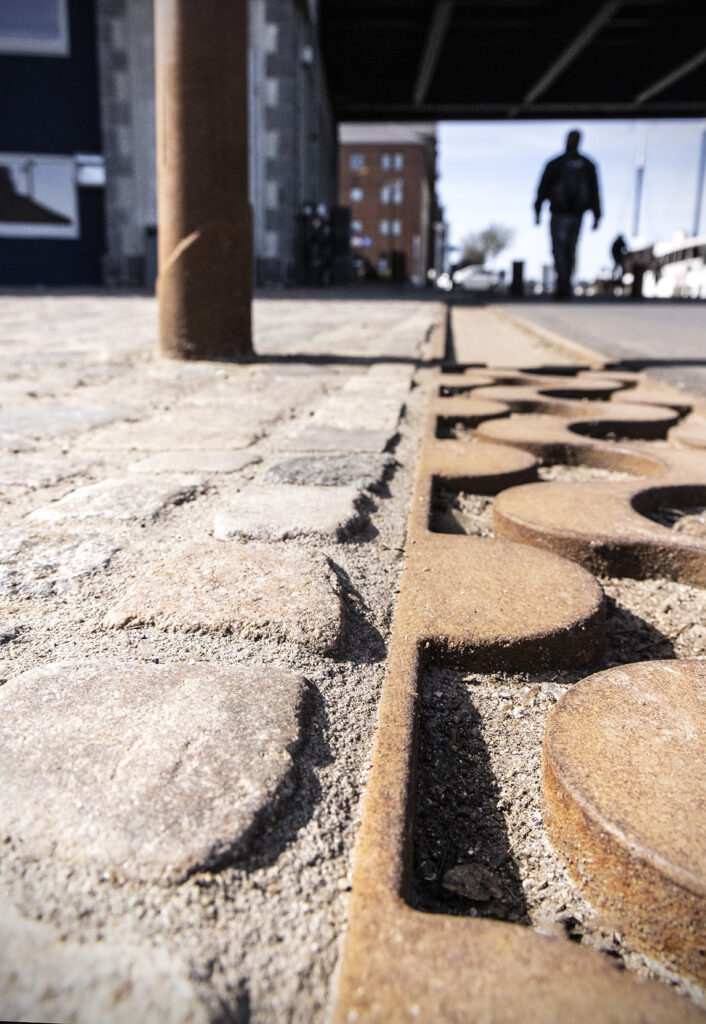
[(34, 565), (363, 471), (280, 511), (131, 499), (15, 443), (196, 461), (358, 410), (108, 982), (251, 590), (188, 429), (35, 470), (52, 419), (144, 771), (335, 439), (260, 397)]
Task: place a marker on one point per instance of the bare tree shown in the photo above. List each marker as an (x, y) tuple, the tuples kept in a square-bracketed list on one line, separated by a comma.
[(478, 246)]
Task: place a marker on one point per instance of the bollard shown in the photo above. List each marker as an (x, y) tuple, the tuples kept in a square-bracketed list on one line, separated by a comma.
[(205, 222), (518, 285)]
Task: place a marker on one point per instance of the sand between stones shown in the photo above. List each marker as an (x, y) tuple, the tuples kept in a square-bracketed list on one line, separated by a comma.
[(106, 982), (251, 590), (148, 772)]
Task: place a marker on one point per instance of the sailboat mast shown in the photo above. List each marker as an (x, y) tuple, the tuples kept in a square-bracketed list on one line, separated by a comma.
[(700, 184), (640, 151)]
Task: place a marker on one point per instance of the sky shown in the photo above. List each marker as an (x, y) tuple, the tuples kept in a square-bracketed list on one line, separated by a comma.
[(489, 173)]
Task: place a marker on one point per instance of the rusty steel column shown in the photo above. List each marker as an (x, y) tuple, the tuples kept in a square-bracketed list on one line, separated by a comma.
[(205, 222)]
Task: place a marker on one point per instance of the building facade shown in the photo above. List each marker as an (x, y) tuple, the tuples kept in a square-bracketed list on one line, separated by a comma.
[(387, 178), (87, 99), (52, 215)]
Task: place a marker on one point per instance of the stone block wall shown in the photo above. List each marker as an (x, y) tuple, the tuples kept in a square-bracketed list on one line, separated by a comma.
[(126, 74), (292, 135)]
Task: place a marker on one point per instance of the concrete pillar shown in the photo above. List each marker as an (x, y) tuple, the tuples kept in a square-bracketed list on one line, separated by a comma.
[(205, 222)]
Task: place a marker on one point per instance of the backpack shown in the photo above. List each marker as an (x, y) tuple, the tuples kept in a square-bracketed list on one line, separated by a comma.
[(572, 189)]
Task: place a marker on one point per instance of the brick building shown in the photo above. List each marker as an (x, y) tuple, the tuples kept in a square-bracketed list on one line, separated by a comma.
[(387, 178)]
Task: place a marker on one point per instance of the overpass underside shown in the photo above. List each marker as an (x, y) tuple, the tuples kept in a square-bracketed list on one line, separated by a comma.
[(494, 59)]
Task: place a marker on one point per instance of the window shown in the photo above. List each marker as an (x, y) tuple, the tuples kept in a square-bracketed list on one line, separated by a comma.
[(398, 161), (356, 195), (356, 161), (391, 193), (391, 227), (357, 227), (386, 161), (38, 28), (90, 170)]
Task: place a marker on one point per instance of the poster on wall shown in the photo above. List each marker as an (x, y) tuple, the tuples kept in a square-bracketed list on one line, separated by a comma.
[(38, 196)]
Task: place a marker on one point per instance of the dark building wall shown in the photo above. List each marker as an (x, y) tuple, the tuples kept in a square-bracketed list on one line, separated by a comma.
[(292, 135), (125, 33), (54, 261), (51, 105)]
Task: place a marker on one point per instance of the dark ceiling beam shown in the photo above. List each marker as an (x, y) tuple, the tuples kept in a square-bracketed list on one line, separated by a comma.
[(440, 17), (494, 111), (577, 45), (663, 83)]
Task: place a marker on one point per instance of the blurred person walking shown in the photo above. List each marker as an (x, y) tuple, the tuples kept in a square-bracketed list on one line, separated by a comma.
[(618, 250), (570, 183)]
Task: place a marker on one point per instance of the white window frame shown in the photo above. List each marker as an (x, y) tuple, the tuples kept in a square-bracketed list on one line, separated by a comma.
[(398, 161), (386, 161), (356, 161), (396, 228), (392, 193), (385, 228), (355, 195), (30, 46), (356, 227)]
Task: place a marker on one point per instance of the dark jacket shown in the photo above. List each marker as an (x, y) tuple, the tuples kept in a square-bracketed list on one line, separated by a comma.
[(570, 183)]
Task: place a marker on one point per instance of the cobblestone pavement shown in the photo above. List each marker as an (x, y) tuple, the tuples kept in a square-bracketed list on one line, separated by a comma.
[(199, 568)]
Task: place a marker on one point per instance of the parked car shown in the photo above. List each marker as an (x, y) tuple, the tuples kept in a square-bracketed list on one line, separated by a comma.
[(475, 278)]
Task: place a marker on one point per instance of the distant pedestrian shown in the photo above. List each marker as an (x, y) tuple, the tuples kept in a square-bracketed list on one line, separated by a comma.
[(619, 250), (570, 183)]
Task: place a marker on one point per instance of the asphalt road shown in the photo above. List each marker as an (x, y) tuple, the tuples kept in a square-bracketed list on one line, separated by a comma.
[(666, 339)]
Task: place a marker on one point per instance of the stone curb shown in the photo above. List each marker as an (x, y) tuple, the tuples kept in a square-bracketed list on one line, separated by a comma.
[(573, 348)]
